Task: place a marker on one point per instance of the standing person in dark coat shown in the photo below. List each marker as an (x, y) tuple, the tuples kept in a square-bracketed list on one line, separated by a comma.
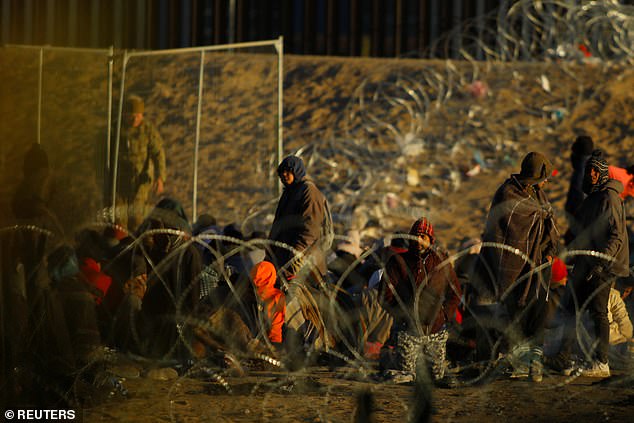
[(579, 153), (521, 219), (298, 222), (601, 227)]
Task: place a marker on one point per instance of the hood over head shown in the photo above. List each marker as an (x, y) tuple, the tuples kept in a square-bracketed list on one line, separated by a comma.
[(535, 168), (294, 164), (263, 276), (171, 215), (597, 162)]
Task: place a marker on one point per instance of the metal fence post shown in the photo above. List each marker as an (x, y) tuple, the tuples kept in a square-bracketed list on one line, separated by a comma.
[(201, 80)]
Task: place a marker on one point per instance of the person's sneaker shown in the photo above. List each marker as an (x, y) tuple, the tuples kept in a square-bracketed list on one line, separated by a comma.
[(572, 369), (519, 372), (596, 369), (398, 376), (562, 364), (536, 371)]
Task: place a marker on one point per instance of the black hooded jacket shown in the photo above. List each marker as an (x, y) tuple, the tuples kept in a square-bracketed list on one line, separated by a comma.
[(601, 227), (299, 220)]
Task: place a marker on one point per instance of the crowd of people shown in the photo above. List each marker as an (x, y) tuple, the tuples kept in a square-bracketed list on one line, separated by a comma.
[(178, 292)]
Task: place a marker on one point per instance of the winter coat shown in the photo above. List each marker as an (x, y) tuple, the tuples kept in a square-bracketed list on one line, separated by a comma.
[(624, 178), (521, 218), (173, 279), (298, 222), (413, 274), (601, 227), (354, 281), (273, 300), (620, 323)]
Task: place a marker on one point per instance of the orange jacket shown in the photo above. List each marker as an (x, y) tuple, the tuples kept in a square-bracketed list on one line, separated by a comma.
[(263, 276), (623, 177)]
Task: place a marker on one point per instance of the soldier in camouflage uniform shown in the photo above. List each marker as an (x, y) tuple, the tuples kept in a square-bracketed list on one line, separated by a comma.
[(141, 165)]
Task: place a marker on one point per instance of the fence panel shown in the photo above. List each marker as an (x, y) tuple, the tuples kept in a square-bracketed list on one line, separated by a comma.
[(59, 98), (238, 148), (220, 157)]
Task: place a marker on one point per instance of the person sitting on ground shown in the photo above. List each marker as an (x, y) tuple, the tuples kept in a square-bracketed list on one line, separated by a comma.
[(273, 301), (235, 279), (91, 253), (77, 297), (346, 254), (256, 252), (373, 267), (204, 228), (620, 329), (461, 343), (235, 251), (420, 290), (625, 287), (363, 324), (174, 267)]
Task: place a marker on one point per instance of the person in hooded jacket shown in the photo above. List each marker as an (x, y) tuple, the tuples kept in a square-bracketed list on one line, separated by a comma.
[(601, 227), (521, 221), (298, 222), (272, 299), (301, 222), (173, 279)]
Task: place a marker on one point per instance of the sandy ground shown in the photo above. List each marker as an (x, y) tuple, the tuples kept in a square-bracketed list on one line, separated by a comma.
[(322, 395)]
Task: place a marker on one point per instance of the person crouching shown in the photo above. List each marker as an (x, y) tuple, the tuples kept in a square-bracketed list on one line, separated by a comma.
[(272, 300)]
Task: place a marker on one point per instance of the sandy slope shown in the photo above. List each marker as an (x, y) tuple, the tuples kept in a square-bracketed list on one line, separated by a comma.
[(365, 127)]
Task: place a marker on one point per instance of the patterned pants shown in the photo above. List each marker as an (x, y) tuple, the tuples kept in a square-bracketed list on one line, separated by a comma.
[(428, 350)]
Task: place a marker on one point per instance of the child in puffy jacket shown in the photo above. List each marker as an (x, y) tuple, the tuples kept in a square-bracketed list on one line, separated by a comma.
[(273, 300)]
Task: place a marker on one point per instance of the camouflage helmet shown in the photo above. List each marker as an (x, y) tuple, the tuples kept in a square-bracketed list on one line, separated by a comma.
[(134, 104)]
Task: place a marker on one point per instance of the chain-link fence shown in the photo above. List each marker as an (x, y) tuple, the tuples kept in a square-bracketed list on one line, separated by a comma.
[(213, 139), (58, 98)]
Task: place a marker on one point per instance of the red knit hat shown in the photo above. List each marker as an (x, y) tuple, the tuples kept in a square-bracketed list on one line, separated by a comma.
[(559, 272), (423, 227)]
